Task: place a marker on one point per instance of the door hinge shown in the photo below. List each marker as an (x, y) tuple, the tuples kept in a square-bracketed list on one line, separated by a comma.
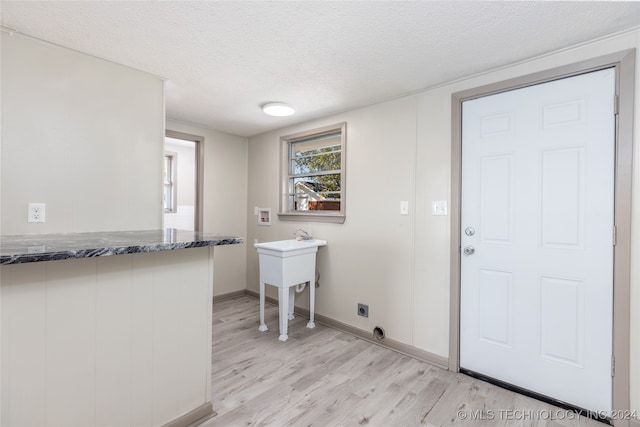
[(613, 366), (616, 104), (615, 235)]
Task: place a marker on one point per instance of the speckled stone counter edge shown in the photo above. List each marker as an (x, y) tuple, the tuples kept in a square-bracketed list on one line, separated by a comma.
[(21, 249)]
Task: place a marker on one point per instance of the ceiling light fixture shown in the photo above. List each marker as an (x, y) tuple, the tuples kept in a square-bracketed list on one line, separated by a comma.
[(278, 109)]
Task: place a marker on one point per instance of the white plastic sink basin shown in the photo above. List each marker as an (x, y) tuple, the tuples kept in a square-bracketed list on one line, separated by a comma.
[(287, 248)]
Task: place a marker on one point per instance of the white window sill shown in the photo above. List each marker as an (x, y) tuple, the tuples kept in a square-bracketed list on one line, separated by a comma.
[(312, 216)]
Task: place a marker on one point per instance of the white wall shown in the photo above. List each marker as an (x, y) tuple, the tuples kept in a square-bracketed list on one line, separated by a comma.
[(369, 258), (82, 135), (399, 265), (225, 203)]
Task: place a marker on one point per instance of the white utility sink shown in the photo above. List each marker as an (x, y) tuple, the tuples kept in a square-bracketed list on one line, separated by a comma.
[(287, 247), (287, 264)]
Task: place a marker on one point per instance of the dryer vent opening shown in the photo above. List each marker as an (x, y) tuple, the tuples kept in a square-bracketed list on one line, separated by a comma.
[(378, 333)]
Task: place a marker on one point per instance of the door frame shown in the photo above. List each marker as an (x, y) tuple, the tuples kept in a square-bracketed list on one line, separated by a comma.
[(199, 141), (624, 64)]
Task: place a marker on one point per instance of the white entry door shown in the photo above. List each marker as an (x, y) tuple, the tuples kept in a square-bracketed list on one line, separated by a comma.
[(537, 222)]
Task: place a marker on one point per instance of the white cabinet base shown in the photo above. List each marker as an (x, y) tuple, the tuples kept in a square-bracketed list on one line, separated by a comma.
[(119, 340)]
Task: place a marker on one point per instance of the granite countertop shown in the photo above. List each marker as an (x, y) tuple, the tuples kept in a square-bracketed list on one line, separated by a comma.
[(20, 249)]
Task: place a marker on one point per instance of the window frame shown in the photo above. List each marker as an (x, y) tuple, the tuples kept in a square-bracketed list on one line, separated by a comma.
[(335, 216), (171, 184)]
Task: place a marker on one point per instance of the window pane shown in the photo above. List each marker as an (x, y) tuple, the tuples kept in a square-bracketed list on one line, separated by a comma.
[(316, 184), (168, 199), (302, 202), (316, 145), (301, 149), (167, 169), (315, 193), (316, 163)]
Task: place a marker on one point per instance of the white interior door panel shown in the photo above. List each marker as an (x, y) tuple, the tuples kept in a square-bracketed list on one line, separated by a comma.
[(538, 167)]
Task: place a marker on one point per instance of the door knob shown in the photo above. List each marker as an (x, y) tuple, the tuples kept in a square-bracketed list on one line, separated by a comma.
[(469, 250)]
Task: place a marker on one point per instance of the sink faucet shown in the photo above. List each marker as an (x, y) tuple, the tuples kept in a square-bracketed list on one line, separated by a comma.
[(303, 234)]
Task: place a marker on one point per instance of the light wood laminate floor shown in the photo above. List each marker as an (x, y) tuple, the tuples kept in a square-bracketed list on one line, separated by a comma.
[(324, 377)]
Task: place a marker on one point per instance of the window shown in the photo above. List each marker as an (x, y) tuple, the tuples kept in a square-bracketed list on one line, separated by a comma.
[(169, 196), (313, 175)]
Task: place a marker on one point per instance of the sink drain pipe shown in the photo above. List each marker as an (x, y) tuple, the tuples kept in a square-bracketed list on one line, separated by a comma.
[(301, 286)]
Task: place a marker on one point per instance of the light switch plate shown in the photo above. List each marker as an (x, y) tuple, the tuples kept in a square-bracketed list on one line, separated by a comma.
[(439, 207), (404, 207)]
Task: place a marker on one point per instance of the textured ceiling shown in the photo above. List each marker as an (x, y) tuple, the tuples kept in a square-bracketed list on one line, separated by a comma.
[(222, 60)]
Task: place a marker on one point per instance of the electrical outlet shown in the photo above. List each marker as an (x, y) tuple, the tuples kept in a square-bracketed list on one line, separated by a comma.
[(363, 310), (36, 212)]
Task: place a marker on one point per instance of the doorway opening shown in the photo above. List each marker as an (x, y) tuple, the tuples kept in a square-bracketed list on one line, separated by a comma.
[(182, 196)]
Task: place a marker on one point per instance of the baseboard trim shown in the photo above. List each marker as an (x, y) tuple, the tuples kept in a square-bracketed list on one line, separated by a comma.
[(397, 346), (257, 295), (408, 350), (229, 295), (194, 417)]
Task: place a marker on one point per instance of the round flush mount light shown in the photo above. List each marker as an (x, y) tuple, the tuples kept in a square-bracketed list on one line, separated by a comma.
[(278, 109)]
